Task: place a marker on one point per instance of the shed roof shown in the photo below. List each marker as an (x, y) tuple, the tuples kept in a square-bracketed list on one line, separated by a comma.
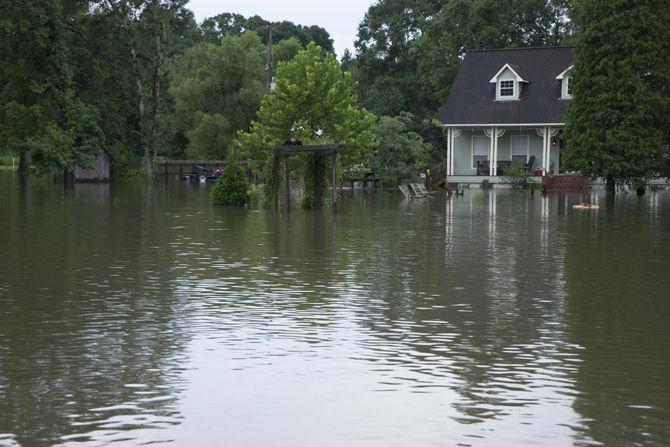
[(472, 97)]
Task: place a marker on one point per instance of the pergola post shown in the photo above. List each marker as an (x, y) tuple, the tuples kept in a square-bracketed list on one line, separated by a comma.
[(288, 186), (334, 173), (275, 180)]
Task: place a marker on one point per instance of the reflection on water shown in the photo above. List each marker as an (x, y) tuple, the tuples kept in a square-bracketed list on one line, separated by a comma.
[(133, 314)]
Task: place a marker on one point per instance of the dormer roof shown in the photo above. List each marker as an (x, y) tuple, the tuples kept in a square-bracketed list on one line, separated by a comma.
[(513, 68), (564, 72), (472, 95)]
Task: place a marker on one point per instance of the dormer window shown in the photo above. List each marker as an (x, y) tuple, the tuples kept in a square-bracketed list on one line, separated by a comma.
[(564, 77), (506, 88), (508, 83)]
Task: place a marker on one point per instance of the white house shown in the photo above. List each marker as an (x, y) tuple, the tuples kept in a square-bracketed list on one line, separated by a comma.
[(507, 106)]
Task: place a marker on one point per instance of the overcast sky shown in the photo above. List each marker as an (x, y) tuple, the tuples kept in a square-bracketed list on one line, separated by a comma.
[(339, 17)]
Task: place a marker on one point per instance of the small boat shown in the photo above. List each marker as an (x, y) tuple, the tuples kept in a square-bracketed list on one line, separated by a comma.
[(585, 206)]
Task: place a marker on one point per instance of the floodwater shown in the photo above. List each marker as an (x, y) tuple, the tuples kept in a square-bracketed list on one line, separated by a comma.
[(132, 315)]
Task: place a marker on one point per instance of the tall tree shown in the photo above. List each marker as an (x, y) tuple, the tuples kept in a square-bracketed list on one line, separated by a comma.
[(215, 28), (217, 90), (619, 118), (401, 151), (41, 113)]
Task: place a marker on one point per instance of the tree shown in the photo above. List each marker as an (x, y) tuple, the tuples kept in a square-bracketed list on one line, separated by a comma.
[(41, 113), (123, 71), (618, 120), (217, 91), (286, 49), (401, 151), (216, 28), (314, 102)]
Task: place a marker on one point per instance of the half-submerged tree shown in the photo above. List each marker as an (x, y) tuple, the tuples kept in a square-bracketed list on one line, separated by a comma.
[(617, 124), (313, 102)]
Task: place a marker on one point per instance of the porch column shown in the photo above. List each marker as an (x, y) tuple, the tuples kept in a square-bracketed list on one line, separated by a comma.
[(550, 134), (447, 168), (544, 133), (492, 151), (455, 133), (547, 151), (497, 134)]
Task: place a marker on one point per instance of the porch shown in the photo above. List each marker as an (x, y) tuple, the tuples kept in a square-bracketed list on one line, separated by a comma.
[(475, 153)]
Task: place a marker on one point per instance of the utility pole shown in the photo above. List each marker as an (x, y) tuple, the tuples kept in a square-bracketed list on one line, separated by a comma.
[(268, 63)]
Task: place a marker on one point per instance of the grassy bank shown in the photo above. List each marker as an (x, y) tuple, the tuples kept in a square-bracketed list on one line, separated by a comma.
[(7, 161)]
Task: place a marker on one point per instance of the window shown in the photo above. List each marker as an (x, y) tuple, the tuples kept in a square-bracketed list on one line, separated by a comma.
[(506, 89), (519, 145), (480, 150), (568, 90)]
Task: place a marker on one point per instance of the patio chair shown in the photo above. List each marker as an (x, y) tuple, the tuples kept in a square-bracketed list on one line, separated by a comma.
[(419, 190), (529, 166), (483, 167)]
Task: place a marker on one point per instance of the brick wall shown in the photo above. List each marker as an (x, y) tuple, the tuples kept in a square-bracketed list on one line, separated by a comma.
[(564, 183)]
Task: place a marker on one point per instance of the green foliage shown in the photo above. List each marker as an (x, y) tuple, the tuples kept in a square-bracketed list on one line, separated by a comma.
[(259, 195), (618, 122), (40, 111), (216, 28), (231, 188), (314, 102), (401, 151), (286, 49), (77, 77), (217, 91), (516, 176)]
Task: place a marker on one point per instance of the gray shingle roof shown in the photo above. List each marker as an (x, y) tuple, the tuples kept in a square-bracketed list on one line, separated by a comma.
[(471, 97)]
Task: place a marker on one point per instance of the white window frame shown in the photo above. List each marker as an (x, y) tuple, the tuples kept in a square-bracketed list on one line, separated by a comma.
[(501, 88), (565, 88), (511, 147), (564, 77), (472, 149)]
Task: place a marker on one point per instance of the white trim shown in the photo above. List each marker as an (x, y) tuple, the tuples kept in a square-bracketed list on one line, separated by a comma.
[(455, 133), (494, 79), (565, 85), (511, 154), (472, 149), (492, 150), (564, 72), (505, 125)]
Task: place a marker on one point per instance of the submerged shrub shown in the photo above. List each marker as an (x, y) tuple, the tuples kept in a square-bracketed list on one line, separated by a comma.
[(516, 176), (259, 195), (231, 188)]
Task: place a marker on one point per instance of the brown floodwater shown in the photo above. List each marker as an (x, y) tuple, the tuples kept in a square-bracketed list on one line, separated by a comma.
[(132, 315)]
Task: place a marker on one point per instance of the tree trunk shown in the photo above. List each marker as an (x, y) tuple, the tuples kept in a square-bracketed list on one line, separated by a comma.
[(152, 147), (24, 164)]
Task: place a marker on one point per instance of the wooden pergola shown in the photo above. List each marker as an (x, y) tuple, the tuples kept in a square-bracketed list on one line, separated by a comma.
[(286, 151)]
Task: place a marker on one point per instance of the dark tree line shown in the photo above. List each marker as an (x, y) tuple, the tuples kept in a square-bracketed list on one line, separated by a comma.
[(140, 79), (78, 77)]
